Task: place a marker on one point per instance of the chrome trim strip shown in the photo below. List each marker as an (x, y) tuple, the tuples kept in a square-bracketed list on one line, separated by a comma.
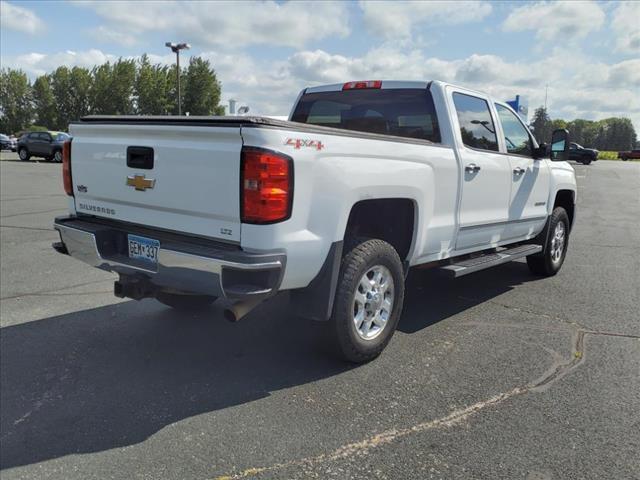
[(508, 222)]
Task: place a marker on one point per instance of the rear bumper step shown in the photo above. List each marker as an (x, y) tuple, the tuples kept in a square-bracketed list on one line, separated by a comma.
[(182, 265), (482, 262)]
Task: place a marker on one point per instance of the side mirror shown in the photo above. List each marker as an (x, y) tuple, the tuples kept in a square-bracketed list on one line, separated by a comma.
[(560, 145), (541, 152)]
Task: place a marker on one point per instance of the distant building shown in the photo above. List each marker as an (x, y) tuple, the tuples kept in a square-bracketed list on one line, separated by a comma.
[(521, 106)]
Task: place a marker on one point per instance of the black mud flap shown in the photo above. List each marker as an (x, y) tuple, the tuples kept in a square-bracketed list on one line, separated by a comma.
[(316, 300)]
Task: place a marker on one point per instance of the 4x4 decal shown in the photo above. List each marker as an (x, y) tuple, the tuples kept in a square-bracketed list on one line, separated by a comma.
[(297, 143)]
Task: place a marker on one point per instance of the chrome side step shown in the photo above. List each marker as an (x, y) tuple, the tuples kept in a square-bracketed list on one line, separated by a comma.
[(475, 264)]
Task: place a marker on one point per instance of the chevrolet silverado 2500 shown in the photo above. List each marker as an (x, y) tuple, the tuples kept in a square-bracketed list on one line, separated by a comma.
[(364, 181)]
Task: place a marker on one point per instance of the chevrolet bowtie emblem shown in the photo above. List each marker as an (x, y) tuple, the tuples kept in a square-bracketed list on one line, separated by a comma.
[(140, 183)]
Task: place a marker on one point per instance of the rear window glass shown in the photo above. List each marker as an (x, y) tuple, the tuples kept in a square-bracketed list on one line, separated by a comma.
[(399, 112)]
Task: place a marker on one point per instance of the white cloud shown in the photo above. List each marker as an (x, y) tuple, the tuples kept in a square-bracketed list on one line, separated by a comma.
[(35, 64), (398, 19), (556, 20), (232, 24), (13, 17), (625, 24), (111, 35), (578, 87)]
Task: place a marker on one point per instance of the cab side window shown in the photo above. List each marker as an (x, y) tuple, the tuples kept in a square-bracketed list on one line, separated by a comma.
[(516, 137), (476, 125)]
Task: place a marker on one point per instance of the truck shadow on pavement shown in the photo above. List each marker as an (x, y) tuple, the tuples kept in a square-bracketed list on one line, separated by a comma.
[(112, 376)]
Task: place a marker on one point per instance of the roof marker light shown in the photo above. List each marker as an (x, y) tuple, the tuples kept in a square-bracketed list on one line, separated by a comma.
[(362, 85)]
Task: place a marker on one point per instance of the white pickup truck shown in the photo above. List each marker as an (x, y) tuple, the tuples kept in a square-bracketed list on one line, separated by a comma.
[(364, 181)]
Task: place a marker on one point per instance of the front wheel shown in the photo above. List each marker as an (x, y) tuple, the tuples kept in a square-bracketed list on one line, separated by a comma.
[(587, 161), (549, 262), (23, 153), (369, 299), (57, 156)]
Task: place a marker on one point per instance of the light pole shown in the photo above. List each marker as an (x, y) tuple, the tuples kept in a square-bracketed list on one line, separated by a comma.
[(175, 48)]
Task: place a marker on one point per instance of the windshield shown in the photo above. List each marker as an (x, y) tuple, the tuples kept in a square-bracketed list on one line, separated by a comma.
[(3, 137), (400, 112), (62, 137)]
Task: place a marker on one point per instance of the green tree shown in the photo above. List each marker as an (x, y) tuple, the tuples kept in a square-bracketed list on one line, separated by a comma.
[(152, 88), (542, 126), (123, 78), (44, 102), (112, 88), (80, 84), (202, 89), (63, 94), (16, 108), (100, 91)]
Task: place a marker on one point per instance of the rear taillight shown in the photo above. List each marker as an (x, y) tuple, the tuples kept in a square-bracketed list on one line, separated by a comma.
[(66, 167), (266, 186), (362, 85)]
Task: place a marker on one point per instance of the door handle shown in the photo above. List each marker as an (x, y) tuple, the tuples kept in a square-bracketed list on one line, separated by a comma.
[(472, 168), (519, 171)]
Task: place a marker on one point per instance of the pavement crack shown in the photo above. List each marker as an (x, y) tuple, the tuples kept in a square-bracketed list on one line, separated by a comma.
[(529, 311), (32, 213), (53, 291), (561, 368), (363, 447), (28, 228)]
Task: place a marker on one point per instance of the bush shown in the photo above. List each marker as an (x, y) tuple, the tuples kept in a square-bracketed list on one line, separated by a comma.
[(607, 155)]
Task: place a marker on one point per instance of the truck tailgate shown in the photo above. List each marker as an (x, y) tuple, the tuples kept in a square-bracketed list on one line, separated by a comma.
[(192, 185)]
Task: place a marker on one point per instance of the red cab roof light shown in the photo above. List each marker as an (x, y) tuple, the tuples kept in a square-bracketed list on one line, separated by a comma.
[(362, 84)]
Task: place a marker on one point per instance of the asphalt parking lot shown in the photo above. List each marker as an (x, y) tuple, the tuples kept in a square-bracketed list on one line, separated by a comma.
[(495, 375)]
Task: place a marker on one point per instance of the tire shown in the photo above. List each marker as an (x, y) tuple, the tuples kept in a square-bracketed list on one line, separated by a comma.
[(363, 326), (549, 262), (587, 161), (185, 302), (57, 156), (24, 155)]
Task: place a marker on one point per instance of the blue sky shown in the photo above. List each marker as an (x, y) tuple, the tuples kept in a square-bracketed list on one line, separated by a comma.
[(265, 52)]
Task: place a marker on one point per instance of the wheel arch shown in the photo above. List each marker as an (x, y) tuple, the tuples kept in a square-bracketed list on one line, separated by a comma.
[(392, 219), (566, 199)]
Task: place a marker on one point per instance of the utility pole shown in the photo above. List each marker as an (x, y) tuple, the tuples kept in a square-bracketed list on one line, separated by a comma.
[(175, 48), (546, 94)]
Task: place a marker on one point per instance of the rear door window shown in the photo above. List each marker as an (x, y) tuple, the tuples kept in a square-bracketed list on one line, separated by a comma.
[(476, 125), (400, 112)]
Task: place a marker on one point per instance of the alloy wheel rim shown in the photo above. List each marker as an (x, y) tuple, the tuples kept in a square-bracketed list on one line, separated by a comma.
[(373, 302), (557, 242)]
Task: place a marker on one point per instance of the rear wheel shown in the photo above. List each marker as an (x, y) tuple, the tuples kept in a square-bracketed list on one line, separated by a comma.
[(185, 301), (368, 301), (549, 262), (23, 153)]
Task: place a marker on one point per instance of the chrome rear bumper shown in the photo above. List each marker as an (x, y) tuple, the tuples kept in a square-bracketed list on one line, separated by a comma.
[(207, 268)]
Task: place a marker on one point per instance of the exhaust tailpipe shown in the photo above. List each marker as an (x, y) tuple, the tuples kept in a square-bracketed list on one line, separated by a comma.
[(235, 310)]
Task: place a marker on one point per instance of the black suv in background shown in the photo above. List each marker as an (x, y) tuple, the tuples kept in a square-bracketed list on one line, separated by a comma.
[(47, 145), (583, 155)]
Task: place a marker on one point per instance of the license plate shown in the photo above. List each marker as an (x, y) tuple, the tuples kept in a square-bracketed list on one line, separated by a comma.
[(144, 249)]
